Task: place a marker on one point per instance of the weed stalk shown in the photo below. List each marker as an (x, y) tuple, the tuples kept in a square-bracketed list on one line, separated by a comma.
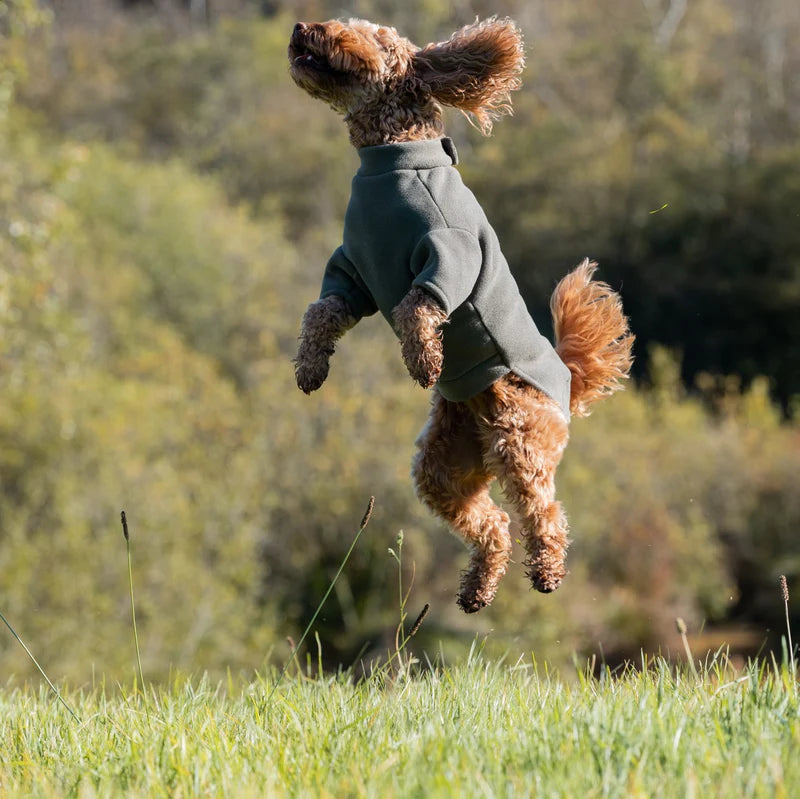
[(785, 594), (401, 639)]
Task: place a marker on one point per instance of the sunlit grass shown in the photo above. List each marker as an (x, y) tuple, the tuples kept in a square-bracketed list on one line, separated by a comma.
[(478, 729)]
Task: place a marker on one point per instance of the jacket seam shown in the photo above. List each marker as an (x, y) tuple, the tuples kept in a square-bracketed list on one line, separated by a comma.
[(433, 199)]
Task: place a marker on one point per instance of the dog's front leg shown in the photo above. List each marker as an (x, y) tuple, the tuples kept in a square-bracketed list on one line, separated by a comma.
[(418, 318), (324, 323)]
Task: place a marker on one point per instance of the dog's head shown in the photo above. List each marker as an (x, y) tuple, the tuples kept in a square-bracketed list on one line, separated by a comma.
[(360, 68)]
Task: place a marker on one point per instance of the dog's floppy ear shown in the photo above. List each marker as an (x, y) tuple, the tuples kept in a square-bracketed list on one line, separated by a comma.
[(475, 69)]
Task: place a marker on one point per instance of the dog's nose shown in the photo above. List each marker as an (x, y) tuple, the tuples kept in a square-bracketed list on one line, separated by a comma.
[(300, 27)]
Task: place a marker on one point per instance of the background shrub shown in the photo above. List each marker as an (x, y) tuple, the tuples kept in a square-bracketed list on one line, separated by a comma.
[(167, 203)]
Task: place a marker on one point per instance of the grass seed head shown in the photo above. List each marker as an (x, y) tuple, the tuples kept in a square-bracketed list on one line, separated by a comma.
[(368, 512), (418, 623)]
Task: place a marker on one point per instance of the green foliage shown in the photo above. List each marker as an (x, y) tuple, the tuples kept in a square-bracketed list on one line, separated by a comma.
[(482, 728), (221, 102), (105, 406), (665, 151), (167, 202), (20, 22)]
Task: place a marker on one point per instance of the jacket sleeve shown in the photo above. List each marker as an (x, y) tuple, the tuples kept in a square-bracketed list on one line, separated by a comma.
[(342, 280), (447, 262)]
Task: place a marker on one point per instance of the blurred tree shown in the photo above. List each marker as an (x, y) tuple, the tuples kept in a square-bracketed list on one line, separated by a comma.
[(167, 202), (20, 21)]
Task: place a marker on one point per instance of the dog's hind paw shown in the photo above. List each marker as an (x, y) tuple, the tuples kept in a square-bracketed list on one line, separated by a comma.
[(477, 588), (545, 585), (470, 603), (545, 580)]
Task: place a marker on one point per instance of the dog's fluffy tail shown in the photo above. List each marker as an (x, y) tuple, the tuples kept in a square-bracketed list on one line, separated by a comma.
[(592, 336)]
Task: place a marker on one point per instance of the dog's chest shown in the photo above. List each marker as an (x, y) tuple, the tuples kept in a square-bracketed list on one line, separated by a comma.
[(386, 217)]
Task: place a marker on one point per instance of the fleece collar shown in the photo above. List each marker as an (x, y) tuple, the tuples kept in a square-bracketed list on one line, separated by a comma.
[(407, 155)]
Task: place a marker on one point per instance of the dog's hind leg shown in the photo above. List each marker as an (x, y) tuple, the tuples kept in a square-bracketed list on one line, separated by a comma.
[(451, 479), (524, 435)]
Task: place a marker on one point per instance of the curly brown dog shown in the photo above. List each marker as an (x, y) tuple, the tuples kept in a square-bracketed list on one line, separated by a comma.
[(418, 248)]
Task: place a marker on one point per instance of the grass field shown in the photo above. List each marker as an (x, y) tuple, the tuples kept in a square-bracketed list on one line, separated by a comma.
[(478, 729)]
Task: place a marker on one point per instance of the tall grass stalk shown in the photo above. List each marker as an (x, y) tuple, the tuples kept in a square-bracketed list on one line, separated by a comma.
[(125, 532), (785, 594), (681, 625), (364, 523), (41, 670)]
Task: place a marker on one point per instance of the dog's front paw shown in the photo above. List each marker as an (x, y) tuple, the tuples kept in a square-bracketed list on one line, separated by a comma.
[(311, 373), (423, 359), (418, 319)]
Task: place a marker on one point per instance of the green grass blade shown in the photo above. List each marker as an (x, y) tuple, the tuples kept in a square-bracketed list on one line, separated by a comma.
[(125, 532), (41, 670)]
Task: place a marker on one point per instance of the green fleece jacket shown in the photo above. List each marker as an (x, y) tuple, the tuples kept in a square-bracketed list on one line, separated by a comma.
[(412, 222)]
